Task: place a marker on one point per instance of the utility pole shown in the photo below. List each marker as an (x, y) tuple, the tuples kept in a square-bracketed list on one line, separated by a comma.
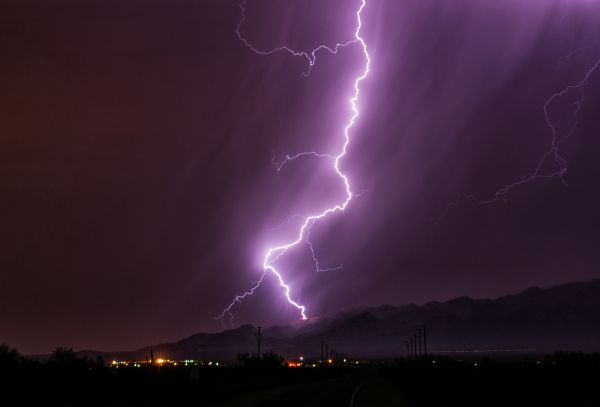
[(322, 344), (425, 338), (420, 333), (258, 338), (415, 341), (407, 350)]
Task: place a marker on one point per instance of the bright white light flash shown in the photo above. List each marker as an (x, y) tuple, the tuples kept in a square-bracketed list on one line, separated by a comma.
[(275, 253)]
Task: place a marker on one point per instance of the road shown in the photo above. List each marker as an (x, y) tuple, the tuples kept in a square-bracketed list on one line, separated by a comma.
[(362, 390)]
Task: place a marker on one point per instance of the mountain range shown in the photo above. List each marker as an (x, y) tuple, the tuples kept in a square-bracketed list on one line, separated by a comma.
[(563, 317)]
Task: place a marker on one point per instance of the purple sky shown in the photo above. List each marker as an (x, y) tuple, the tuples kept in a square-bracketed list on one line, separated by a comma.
[(138, 196)]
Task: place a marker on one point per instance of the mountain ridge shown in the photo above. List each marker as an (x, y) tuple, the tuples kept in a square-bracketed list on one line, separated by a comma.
[(561, 317)]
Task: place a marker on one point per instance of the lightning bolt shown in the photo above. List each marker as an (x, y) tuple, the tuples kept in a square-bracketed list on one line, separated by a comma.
[(288, 158), (552, 152), (311, 56), (314, 255), (273, 254), (239, 298)]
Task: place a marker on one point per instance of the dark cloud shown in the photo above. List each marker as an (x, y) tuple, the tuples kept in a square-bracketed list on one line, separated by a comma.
[(136, 136)]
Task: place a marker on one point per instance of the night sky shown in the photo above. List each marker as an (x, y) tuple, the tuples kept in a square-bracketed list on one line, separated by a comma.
[(137, 194)]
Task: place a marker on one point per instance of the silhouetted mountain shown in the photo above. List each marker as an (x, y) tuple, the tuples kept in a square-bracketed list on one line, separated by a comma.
[(564, 317)]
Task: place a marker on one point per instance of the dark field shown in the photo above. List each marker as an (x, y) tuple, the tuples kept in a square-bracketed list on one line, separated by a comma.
[(559, 380)]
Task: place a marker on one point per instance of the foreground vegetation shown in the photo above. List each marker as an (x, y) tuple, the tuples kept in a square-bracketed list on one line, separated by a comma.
[(563, 379)]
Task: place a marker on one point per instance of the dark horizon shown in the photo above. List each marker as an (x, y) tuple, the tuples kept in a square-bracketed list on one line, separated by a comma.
[(139, 196), (570, 306)]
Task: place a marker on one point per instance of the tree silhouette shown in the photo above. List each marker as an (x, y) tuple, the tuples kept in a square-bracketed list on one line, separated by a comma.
[(10, 358), (63, 356)]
